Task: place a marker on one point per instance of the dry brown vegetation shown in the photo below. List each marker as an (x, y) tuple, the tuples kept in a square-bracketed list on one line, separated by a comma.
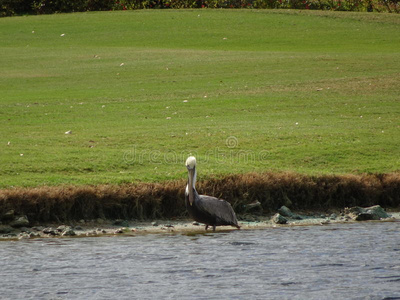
[(166, 199)]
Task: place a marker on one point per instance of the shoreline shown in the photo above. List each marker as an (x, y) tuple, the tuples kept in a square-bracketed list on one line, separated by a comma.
[(182, 226)]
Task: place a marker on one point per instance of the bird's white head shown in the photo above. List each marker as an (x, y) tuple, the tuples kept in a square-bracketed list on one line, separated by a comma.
[(191, 166), (191, 162)]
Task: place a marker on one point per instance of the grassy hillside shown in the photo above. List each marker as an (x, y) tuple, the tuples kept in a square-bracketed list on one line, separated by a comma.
[(243, 90)]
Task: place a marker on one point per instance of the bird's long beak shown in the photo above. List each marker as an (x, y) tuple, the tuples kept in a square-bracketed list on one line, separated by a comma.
[(191, 195)]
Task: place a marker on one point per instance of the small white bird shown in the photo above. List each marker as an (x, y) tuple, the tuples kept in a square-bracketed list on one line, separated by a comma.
[(68, 132)]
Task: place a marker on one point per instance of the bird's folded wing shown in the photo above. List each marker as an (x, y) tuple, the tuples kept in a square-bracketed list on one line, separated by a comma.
[(217, 207)]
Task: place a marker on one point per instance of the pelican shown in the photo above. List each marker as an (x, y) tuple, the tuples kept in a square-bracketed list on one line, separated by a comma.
[(204, 209)]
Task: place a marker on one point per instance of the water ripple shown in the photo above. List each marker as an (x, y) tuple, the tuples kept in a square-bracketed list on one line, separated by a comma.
[(338, 261)]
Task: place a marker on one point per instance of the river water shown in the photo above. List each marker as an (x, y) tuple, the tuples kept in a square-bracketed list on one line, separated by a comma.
[(337, 261)]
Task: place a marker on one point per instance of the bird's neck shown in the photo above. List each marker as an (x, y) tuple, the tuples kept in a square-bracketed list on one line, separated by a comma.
[(193, 183), (194, 179)]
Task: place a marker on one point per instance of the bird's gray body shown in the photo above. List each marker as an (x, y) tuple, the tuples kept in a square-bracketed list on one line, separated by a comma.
[(204, 209), (211, 211)]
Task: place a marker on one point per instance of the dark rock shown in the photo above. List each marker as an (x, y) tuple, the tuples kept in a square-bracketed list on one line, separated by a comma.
[(62, 228), (286, 212), (353, 210), (50, 230), (169, 225), (20, 222), (375, 212), (279, 219), (5, 229), (78, 228), (364, 217), (378, 212), (155, 224), (66, 230), (333, 216), (196, 223)]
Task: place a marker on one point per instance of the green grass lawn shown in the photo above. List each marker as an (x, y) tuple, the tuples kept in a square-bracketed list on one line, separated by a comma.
[(243, 90)]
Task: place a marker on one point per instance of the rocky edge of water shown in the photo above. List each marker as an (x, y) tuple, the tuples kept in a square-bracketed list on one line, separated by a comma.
[(13, 226)]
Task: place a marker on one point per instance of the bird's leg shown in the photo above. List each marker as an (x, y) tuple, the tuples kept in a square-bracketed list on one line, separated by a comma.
[(214, 228), (206, 227)]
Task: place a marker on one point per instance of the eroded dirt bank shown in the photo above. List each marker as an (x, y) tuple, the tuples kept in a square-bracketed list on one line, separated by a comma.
[(255, 197), (165, 200)]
